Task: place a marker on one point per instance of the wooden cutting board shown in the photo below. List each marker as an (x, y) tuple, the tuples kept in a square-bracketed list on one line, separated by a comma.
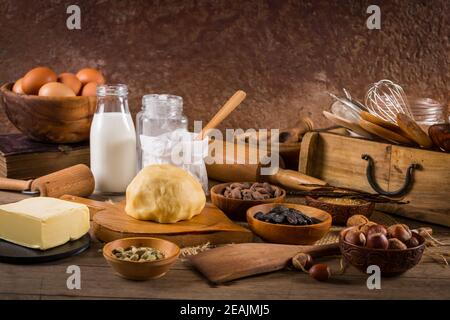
[(250, 259), (110, 222)]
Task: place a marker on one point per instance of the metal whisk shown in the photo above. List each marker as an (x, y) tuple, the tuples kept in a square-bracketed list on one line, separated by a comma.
[(386, 99)]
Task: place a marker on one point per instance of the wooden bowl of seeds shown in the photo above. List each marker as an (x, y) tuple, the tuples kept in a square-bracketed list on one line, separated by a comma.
[(341, 209), (141, 258)]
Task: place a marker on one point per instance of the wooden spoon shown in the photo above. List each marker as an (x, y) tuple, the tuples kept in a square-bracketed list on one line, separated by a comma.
[(353, 126), (380, 122), (223, 112), (413, 130), (384, 133)]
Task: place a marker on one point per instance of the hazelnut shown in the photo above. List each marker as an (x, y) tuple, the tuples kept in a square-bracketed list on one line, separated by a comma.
[(377, 241), (357, 220), (363, 228), (356, 237), (412, 243), (320, 272), (399, 231), (424, 231), (396, 244), (377, 228), (302, 261)]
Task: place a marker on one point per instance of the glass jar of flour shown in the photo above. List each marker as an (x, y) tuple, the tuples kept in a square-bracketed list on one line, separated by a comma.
[(160, 117), (163, 137)]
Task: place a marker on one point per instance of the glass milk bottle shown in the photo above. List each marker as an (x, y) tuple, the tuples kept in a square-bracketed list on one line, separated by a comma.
[(113, 140)]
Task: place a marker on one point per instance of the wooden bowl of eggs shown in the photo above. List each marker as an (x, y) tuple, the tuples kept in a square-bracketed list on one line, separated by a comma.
[(51, 108)]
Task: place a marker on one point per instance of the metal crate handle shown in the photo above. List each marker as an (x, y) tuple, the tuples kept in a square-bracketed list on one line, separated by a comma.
[(409, 178)]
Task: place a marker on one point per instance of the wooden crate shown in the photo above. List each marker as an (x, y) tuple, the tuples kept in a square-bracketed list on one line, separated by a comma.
[(338, 160)]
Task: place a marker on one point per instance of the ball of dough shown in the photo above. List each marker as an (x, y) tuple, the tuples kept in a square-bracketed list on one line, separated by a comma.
[(165, 194)]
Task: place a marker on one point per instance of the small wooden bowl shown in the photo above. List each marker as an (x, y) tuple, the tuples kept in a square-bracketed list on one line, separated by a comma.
[(49, 119), (236, 209), (341, 212), (391, 262), (135, 270), (288, 234)]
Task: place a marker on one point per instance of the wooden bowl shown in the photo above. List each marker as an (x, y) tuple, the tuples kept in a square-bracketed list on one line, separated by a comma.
[(135, 270), (341, 212), (49, 119), (391, 262), (236, 209), (287, 234)]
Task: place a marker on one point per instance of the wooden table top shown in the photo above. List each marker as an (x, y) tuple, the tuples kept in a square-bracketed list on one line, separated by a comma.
[(428, 280)]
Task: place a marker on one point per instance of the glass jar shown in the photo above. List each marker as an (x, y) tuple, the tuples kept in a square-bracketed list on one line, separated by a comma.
[(427, 112), (161, 115), (112, 140)]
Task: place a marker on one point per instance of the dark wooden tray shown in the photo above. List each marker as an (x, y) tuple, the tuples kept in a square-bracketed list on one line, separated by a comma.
[(15, 254)]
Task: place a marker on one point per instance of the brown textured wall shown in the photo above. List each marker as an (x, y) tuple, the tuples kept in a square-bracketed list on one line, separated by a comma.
[(285, 54)]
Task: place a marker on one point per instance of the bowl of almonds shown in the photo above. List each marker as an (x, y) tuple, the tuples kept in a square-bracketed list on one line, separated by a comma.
[(236, 197), (141, 258)]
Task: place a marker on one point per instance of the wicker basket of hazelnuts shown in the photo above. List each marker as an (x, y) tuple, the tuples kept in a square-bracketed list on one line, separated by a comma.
[(394, 249)]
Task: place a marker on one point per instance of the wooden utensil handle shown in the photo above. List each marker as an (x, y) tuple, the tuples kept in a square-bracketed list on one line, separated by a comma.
[(295, 180), (93, 205), (226, 109), (14, 185), (323, 250)]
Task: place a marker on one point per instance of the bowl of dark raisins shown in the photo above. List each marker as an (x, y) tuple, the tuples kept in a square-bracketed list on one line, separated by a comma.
[(288, 223), (235, 198)]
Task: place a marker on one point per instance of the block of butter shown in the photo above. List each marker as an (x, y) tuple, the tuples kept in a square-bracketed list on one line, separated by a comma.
[(43, 223)]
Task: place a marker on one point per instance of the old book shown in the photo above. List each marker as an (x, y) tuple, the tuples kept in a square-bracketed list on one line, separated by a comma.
[(22, 158)]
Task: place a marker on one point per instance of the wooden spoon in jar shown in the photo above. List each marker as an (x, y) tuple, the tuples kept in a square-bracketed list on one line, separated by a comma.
[(223, 113)]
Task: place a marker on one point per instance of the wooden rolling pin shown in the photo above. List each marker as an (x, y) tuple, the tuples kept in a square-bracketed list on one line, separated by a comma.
[(76, 180), (240, 166)]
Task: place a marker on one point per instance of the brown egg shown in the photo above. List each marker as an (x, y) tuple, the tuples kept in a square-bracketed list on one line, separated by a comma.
[(70, 80), (89, 89), (36, 78), (90, 75), (56, 89), (17, 87)]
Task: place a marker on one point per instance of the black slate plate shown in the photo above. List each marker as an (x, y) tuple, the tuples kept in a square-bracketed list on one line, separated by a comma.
[(13, 253)]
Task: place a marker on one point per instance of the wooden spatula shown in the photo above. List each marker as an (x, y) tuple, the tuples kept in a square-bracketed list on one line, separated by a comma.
[(237, 261)]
